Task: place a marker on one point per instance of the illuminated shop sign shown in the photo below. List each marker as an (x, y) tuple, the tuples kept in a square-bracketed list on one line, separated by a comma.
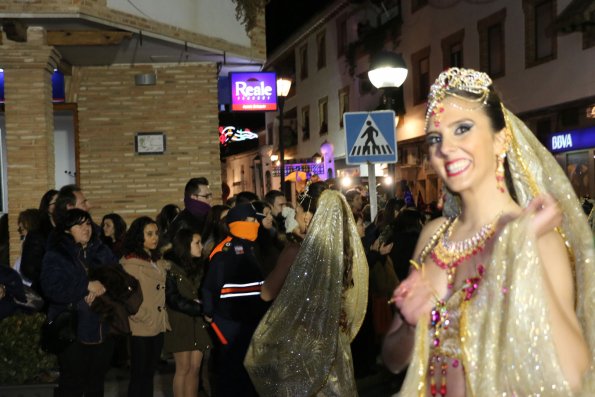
[(253, 91), (572, 140), (233, 134)]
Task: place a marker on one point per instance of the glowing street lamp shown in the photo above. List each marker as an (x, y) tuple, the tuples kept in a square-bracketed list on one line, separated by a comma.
[(283, 87)]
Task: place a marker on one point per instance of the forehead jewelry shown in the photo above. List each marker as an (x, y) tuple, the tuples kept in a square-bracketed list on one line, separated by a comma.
[(452, 80)]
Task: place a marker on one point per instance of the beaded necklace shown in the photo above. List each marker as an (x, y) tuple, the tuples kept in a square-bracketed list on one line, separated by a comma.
[(448, 255)]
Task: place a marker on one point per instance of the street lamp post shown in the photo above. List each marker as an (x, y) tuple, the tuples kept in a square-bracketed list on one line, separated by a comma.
[(283, 86), (387, 71)]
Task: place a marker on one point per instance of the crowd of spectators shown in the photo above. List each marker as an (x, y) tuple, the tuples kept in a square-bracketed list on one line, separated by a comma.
[(171, 256)]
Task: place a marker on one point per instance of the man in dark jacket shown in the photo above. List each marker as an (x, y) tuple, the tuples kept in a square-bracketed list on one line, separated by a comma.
[(231, 298), (197, 202)]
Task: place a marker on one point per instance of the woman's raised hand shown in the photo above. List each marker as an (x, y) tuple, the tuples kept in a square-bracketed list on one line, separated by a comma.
[(545, 214), (414, 297)]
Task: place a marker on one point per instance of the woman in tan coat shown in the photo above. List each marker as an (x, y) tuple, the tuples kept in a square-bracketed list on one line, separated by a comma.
[(142, 260)]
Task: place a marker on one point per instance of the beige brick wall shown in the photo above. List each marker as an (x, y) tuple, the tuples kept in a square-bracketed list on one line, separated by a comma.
[(29, 126), (111, 109)]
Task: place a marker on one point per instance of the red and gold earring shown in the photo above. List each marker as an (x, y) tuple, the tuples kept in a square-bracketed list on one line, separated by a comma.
[(500, 177)]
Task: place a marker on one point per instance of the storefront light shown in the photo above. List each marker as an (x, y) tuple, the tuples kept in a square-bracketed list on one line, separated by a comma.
[(346, 181), (388, 180)]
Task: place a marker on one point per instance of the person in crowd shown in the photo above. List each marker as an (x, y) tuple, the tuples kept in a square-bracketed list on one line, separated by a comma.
[(142, 260), (166, 216), (278, 202), (11, 291), (197, 203), (231, 299), (215, 228), (4, 246), (406, 229), (74, 249), (188, 339), (268, 246), (511, 264), (355, 199), (69, 197), (33, 242), (301, 346), (246, 197), (113, 230), (47, 205)]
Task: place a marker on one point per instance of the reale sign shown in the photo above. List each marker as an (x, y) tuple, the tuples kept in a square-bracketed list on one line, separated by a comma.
[(253, 91)]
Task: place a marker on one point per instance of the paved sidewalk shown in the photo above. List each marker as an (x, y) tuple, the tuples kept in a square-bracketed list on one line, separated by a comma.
[(381, 384)]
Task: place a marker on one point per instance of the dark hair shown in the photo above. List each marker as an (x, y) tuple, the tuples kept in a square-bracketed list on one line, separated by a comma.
[(192, 186), (46, 200), (246, 197), (493, 110), (225, 191), (119, 226), (66, 197), (259, 206), (73, 217), (166, 216), (272, 195), (214, 225), (392, 206), (410, 220), (309, 200), (180, 254), (351, 194), (134, 239), (30, 219)]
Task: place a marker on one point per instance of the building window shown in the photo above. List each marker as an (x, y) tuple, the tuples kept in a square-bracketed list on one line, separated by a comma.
[(540, 39), (452, 50), (420, 62), (343, 104), (305, 123), (303, 62), (417, 4), (341, 37), (323, 116), (491, 44), (321, 46)]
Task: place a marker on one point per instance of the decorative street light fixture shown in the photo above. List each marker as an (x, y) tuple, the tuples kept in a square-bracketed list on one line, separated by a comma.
[(387, 69), (283, 86), (387, 72)]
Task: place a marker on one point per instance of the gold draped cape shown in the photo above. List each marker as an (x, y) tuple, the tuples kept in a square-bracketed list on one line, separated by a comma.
[(506, 335), (299, 348)]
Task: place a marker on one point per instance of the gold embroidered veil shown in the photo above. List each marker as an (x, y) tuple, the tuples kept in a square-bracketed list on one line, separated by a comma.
[(506, 336), (299, 348)]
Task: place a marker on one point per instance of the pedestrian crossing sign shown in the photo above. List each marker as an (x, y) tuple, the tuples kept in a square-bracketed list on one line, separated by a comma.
[(370, 137)]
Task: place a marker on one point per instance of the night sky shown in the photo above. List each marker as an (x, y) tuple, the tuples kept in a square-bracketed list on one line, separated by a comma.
[(283, 17)]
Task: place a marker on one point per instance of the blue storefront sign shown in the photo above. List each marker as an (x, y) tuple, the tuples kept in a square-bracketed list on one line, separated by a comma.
[(565, 141)]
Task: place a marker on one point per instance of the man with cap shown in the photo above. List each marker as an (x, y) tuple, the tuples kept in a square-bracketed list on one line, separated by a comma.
[(231, 299)]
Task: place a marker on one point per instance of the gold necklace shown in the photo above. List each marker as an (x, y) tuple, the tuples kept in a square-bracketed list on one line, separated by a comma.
[(448, 255)]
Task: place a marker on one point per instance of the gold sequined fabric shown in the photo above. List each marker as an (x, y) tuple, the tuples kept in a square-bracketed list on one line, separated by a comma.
[(299, 348), (505, 332)]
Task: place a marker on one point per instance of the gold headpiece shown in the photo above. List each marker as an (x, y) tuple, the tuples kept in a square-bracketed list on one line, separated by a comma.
[(459, 79)]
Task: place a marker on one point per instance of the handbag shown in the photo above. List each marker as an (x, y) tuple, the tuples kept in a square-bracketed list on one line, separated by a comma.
[(34, 302), (59, 333)]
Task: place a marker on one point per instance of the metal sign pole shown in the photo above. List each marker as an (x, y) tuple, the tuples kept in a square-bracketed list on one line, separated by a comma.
[(372, 191)]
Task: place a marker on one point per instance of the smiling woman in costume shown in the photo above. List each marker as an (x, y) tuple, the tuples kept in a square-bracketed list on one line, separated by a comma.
[(501, 303)]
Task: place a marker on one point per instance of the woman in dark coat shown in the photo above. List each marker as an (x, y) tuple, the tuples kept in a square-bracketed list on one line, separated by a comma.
[(188, 338), (73, 250)]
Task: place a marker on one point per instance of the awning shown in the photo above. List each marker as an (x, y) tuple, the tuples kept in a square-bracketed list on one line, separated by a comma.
[(578, 16)]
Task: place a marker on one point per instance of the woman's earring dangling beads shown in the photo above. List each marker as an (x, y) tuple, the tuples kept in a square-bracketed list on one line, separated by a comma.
[(500, 177)]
